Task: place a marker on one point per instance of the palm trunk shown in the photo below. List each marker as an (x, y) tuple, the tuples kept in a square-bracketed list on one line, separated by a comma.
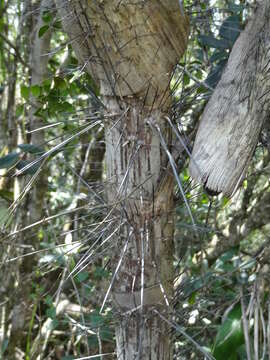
[(130, 50), (140, 195)]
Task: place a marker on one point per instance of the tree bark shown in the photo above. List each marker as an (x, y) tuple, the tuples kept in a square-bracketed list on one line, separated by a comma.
[(39, 72), (22, 287), (140, 193), (233, 118), (130, 49)]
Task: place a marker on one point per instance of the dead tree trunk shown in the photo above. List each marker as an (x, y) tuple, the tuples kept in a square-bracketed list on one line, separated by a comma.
[(130, 49), (232, 121)]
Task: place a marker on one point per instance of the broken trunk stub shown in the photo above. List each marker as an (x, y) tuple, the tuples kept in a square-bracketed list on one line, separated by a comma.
[(232, 120)]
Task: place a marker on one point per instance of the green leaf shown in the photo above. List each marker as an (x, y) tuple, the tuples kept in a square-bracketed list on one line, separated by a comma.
[(67, 107), (236, 9), (19, 110), (4, 346), (192, 298), (48, 300), (186, 79), (57, 25), (9, 160), (215, 74), (101, 273), (225, 262), (54, 324), (210, 41), (59, 83), (25, 92), (43, 30), (195, 284), (47, 16), (51, 312), (230, 29), (46, 85), (230, 335), (31, 149), (202, 89), (6, 195), (219, 55), (96, 320), (82, 276), (35, 90)]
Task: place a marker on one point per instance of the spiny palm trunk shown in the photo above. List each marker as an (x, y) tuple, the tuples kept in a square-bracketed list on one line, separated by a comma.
[(140, 196), (130, 49)]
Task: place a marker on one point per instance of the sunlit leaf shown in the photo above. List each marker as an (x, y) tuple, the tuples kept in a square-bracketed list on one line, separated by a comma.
[(43, 30), (6, 194), (19, 110), (47, 16), (59, 83), (25, 92), (36, 90), (230, 335)]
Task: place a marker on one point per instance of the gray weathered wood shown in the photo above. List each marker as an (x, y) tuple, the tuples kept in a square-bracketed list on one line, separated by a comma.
[(232, 121)]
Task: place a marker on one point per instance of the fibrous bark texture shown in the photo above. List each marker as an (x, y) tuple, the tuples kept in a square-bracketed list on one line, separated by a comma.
[(232, 121), (141, 196), (128, 47)]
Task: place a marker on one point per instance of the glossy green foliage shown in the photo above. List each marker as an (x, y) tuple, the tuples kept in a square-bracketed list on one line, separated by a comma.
[(9, 160), (31, 149), (17, 159), (230, 335), (228, 34)]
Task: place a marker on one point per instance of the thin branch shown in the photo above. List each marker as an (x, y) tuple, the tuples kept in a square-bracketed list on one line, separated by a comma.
[(17, 54)]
